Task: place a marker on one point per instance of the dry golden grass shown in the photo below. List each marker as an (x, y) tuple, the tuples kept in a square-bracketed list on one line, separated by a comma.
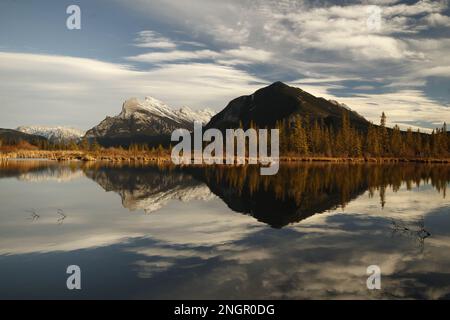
[(119, 155), (110, 154)]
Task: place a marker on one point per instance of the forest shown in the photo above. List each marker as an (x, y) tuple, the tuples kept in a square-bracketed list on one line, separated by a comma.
[(305, 138), (300, 137)]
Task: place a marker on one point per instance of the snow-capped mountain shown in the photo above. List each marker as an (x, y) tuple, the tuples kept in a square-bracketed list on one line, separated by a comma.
[(148, 188), (138, 199), (53, 133), (150, 117), (57, 174)]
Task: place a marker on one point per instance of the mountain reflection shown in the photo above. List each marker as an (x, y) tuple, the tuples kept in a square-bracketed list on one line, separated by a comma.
[(39, 170), (302, 190), (147, 188), (297, 192)]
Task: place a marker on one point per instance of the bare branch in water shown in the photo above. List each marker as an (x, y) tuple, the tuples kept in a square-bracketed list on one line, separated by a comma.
[(62, 216), (34, 216), (416, 232)]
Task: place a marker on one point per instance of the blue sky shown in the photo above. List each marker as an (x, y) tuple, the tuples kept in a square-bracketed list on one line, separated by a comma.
[(203, 53)]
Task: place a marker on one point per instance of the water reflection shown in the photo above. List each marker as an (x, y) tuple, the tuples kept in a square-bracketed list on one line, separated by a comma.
[(300, 191), (295, 193), (148, 188), (164, 232)]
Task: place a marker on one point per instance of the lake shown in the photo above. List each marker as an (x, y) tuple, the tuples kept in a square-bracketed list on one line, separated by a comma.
[(158, 232)]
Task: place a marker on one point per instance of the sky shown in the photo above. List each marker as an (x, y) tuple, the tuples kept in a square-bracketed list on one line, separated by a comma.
[(374, 56)]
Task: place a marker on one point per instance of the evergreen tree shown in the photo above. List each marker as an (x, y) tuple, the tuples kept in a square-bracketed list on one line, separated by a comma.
[(84, 144), (373, 147), (384, 136), (409, 148), (299, 141), (95, 146)]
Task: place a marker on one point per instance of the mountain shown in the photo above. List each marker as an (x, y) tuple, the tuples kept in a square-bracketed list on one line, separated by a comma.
[(53, 134), (14, 137), (146, 121), (149, 188), (270, 201), (279, 101)]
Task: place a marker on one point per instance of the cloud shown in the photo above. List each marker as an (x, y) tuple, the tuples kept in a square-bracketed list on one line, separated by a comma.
[(173, 56), (314, 41), (212, 44), (61, 90), (437, 19), (246, 55), (240, 55), (404, 107), (151, 39)]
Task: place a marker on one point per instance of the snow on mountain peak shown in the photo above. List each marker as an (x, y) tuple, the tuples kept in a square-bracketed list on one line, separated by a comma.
[(148, 117), (190, 115), (156, 107), (57, 133)]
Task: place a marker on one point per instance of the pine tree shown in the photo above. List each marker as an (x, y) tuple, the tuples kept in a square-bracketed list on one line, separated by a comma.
[(316, 139), (328, 150), (72, 145), (409, 148), (384, 136), (445, 140), (396, 142), (95, 146), (373, 147), (299, 139), (356, 144), (344, 137), (84, 144), (283, 133)]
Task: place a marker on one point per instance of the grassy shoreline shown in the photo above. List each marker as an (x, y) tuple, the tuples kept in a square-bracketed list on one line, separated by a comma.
[(147, 156)]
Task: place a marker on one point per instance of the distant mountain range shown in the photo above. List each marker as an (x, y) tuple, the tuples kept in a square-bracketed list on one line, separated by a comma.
[(53, 134), (9, 136), (149, 121)]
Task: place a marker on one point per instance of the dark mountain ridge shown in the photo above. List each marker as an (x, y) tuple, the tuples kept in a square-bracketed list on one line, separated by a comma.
[(279, 101), (14, 137)]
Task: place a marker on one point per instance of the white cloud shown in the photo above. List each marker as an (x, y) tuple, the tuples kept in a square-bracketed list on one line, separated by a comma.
[(420, 7), (404, 108), (248, 55), (79, 92), (437, 19), (290, 39), (151, 39), (175, 55), (241, 55), (46, 89)]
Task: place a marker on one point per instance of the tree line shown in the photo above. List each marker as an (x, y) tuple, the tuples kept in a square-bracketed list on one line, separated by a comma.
[(298, 136)]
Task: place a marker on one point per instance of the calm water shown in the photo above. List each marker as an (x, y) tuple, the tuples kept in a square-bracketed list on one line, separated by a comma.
[(146, 232)]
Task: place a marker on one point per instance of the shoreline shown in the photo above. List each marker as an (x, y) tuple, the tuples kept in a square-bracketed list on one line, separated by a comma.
[(126, 156)]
